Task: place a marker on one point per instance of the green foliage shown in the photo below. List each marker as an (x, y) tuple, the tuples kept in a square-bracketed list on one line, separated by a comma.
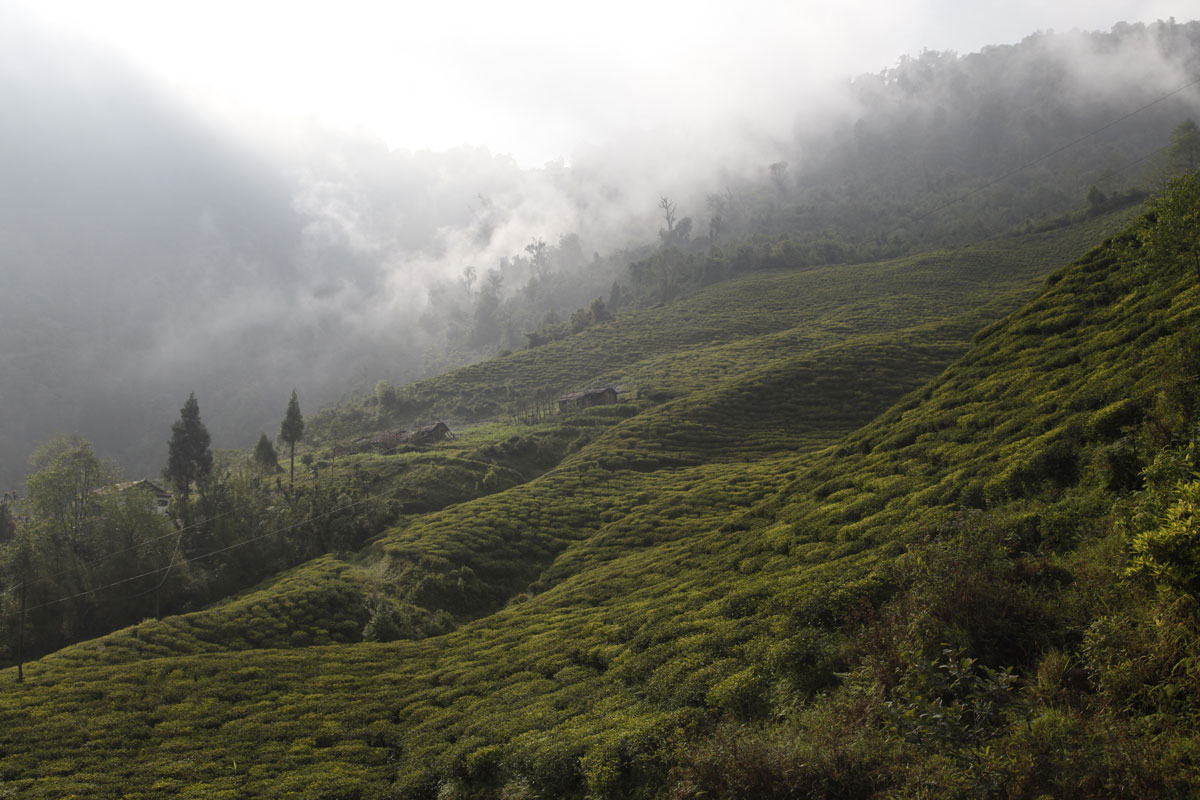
[(714, 589), (1175, 233), (1169, 554), (264, 454), (62, 493), (189, 451), (708, 335), (1185, 146), (291, 430), (952, 702), (8, 523), (78, 534)]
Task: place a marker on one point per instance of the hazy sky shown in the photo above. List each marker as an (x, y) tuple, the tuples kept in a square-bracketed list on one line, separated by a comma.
[(536, 78)]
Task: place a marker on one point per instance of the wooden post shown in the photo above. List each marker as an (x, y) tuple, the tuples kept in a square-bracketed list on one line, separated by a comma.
[(21, 639)]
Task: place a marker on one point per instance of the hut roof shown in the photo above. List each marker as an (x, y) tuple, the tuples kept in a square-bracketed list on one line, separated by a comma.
[(127, 485), (587, 393)]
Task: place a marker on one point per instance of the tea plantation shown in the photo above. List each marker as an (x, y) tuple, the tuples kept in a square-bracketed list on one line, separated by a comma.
[(850, 532)]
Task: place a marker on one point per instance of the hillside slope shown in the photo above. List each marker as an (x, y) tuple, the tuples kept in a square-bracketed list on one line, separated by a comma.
[(680, 602), (766, 367)]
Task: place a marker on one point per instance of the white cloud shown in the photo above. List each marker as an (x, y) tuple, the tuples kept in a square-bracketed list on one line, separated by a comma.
[(536, 78)]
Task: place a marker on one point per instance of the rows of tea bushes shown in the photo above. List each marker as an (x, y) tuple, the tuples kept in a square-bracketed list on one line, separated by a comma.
[(670, 350), (745, 396), (679, 608)]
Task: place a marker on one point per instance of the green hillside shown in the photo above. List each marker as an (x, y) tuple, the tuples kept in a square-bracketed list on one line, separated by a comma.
[(767, 367), (741, 324), (855, 532)]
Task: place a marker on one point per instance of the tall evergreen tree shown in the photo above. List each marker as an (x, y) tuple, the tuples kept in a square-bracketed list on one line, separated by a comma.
[(189, 452), (264, 454), (291, 430)]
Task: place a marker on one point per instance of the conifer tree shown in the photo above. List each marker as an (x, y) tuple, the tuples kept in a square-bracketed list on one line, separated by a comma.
[(264, 454), (292, 430), (189, 452)]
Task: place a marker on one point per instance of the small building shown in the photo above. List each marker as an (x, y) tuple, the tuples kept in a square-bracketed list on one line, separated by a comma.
[(429, 434), (383, 442), (587, 398), (162, 498), (388, 442)]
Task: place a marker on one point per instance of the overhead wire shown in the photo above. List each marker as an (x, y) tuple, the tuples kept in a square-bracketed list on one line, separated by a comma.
[(200, 557), (80, 566)]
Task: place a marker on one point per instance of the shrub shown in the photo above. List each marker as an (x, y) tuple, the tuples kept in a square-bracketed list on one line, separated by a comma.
[(1169, 554)]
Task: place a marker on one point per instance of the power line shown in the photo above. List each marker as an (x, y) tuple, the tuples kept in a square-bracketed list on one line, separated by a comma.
[(200, 557), (79, 567)]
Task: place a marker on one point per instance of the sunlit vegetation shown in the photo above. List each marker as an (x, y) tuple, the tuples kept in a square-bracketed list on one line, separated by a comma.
[(925, 523), (890, 503), (658, 353)]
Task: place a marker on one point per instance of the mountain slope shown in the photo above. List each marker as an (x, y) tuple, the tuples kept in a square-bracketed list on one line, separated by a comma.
[(741, 590), (799, 360)]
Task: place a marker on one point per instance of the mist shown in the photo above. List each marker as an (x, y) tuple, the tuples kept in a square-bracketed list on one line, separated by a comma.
[(151, 246)]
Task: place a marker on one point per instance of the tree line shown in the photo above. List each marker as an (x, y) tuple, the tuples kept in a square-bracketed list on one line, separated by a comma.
[(82, 553)]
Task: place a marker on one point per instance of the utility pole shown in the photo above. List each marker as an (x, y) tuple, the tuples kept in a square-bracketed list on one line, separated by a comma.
[(21, 639)]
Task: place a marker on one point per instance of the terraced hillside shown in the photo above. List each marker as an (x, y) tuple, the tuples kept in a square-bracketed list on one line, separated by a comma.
[(787, 374), (742, 324), (728, 586)]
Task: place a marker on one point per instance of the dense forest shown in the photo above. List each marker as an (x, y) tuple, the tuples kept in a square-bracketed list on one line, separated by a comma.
[(897, 497)]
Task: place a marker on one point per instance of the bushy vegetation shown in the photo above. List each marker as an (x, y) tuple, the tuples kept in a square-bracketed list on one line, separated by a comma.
[(740, 584), (86, 556), (658, 353)]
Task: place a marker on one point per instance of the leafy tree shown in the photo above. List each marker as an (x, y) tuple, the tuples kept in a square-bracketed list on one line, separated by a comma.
[(1175, 233), (189, 451), (468, 278), (668, 209), (264, 454), (81, 532), (779, 176), (537, 258), (599, 311), (580, 320), (486, 327), (291, 430), (52, 448), (133, 538), (683, 231), (1185, 146), (1169, 554), (62, 493)]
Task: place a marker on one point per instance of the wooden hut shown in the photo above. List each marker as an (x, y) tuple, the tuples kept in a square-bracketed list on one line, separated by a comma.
[(587, 398), (430, 434), (162, 498)]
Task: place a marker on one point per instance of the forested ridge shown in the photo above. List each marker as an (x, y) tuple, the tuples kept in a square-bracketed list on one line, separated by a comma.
[(882, 509)]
